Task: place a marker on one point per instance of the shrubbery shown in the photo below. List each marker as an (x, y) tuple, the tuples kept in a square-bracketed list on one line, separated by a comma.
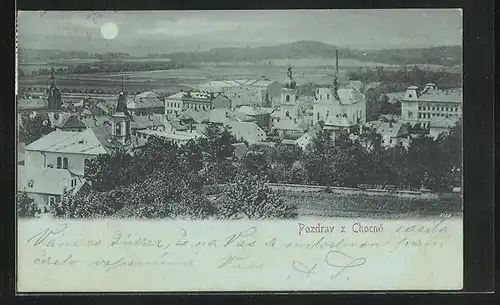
[(26, 207), (251, 196), (164, 180), (359, 205)]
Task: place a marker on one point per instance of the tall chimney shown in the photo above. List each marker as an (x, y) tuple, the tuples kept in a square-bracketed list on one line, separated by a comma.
[(335, 78)]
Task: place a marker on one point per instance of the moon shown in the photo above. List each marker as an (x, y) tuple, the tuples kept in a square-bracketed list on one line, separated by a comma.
[(109, 30)]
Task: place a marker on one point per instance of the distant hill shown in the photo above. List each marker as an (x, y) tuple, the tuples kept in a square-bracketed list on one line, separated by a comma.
[(446, 55)]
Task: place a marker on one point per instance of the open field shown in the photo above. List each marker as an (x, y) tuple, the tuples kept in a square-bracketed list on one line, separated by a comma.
[(387, 207), (351, 202), (316, 70), (175, 80)]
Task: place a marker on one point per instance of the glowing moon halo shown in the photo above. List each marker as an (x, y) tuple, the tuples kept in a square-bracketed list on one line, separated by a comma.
[(109, 30)]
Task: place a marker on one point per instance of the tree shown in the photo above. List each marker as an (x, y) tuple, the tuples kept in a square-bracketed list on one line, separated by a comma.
[(26, 207), (33, 127), (284, 154), (251, 195), (451, 146), (338, 162), (217, 150), (318, 158), (255, 163), (191, 156), (217, 143), (369, 139), (88, 204), (427, 163), (108, 171), (307, 89)]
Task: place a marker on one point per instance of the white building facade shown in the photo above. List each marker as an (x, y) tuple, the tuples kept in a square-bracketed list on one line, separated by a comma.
[(430, 105)]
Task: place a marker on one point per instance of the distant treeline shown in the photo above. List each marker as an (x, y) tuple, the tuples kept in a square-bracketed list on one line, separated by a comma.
[(27, 92), (399, 80), (31, 54), (110, 67)]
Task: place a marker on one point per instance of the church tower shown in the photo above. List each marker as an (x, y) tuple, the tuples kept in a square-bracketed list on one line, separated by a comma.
[(121, 122), (54, 101), (288, 105)]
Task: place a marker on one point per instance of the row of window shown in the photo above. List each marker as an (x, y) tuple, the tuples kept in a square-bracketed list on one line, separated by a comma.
[(174, 104), (187, 106), (64, 164), (140, 112), (357, 115), (428, 115), (196, 106), (428, 108), (172, 112)]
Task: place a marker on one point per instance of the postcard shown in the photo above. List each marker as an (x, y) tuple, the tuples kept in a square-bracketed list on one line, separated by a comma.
[(243, 151)]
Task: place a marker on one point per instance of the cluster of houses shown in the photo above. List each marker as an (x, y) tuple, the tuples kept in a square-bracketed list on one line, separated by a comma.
[(255, 111)]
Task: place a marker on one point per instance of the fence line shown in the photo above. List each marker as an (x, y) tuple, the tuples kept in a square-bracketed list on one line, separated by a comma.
[(336, 189)]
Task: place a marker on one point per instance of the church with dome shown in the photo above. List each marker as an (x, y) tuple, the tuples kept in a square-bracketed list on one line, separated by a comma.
[(339, 108)]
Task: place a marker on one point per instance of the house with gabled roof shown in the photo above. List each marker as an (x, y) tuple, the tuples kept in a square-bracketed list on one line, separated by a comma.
[(146, 102), (289, 128), (46, 185), (66, 121), (72, 150), (222, 115), (261, 115), (248, 131), (258, 91), (150, 121), (393, 133), (306, 139)]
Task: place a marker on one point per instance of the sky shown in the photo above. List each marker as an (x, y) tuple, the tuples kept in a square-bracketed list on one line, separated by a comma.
[(177, 31)]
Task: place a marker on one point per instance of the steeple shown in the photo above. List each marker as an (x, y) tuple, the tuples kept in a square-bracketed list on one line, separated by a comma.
[(54, 100), (52, 76), (121, 121), (288, 105), (290, 82), (121, 105)]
